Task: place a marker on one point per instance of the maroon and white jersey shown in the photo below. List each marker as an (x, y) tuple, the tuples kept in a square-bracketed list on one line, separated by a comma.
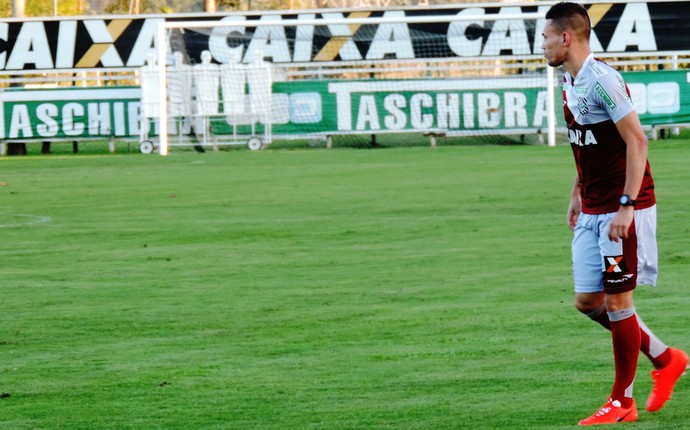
[(593, 103)]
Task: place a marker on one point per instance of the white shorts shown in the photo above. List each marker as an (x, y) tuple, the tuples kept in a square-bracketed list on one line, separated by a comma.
[(599, 264)]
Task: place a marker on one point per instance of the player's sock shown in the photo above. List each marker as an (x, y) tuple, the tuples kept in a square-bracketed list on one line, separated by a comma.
[(625, 334), (657, 351), (601, 316)]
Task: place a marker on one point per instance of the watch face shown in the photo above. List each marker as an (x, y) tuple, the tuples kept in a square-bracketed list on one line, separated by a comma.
[(626, 200)]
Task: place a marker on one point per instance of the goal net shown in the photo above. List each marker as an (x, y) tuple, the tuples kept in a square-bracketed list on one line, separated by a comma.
[(353, 78)]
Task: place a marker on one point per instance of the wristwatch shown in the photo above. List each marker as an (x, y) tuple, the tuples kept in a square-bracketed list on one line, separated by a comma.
[(627, 201)]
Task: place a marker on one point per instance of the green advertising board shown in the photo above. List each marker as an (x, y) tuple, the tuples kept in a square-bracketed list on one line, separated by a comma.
[(399, 106), (661, 97), (384, 106), (69, 113), (328, 107)]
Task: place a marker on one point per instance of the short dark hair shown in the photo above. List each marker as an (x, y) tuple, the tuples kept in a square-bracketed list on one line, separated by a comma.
[(570, 16)]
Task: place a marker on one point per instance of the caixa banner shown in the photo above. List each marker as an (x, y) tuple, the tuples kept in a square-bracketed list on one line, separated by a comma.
[(118, 42), (330, 107)]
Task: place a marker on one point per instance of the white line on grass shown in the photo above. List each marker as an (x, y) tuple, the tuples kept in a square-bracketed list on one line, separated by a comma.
[(26, 220)]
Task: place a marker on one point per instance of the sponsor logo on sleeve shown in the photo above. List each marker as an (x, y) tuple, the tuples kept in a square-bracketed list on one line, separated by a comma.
[(622, 89), (598, 70), (605, 96)]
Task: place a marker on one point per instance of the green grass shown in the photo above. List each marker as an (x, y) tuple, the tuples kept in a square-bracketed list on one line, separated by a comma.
[(410, 288)]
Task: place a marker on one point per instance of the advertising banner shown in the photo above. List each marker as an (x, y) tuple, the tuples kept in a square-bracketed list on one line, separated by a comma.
[(329, 107), (80, 113), (662, 97), (384, 106), (125, 42)]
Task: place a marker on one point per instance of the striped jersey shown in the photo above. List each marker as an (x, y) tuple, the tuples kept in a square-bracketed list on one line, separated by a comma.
[(593, 103)]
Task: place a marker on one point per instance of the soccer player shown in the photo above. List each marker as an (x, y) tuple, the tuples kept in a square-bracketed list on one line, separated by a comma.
[(612, 211)]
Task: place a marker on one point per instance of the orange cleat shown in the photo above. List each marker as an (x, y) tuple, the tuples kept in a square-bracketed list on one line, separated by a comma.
[(612, 413), (665, 378)]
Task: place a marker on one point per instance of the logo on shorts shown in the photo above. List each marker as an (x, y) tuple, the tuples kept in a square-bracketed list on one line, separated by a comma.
[(614, 264)]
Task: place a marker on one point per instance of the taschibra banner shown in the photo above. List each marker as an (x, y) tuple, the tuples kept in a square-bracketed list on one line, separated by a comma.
[(330, 107), (125, 41)]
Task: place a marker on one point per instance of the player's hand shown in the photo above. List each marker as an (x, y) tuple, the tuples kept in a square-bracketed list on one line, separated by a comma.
[(574, 210), (620, 225)]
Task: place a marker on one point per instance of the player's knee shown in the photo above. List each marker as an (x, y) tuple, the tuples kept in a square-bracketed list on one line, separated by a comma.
[(585, 308), (587, 303)]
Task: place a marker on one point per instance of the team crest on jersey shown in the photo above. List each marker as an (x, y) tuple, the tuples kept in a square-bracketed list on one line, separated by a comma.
[(582, 105)]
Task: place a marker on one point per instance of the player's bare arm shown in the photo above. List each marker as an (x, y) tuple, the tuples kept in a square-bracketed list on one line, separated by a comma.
[(575, 206), (636, 159)]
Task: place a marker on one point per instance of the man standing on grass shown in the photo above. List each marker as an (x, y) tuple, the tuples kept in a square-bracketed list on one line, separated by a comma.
[(612, 211)]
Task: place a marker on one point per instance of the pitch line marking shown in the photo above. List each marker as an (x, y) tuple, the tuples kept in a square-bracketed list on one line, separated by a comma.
[(28, 220)]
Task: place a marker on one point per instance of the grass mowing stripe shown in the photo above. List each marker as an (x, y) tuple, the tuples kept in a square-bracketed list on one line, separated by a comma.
[(403, 288)]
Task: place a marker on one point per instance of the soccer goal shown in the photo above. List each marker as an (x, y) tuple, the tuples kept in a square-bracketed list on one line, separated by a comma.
[(334, 75)]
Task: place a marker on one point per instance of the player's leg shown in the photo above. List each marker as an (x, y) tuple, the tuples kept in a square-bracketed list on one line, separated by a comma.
[(647, 271), (625, 336), (587, 270), (669, 363), (592, 304), (651, 346), (620, 278), (612, 277)]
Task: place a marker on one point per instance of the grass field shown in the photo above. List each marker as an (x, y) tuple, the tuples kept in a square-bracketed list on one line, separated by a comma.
[(411, 288)]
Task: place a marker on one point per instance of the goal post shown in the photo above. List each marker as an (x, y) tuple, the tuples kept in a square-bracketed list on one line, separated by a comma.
[(469, 73)]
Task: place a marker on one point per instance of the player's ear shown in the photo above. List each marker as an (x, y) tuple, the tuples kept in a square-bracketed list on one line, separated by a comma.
[(566, 38)]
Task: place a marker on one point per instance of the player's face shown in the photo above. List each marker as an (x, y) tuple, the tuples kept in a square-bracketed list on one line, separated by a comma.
[(552, 46)]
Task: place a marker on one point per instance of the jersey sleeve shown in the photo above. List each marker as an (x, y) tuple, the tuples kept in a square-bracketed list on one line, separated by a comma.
[(611, 93)]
